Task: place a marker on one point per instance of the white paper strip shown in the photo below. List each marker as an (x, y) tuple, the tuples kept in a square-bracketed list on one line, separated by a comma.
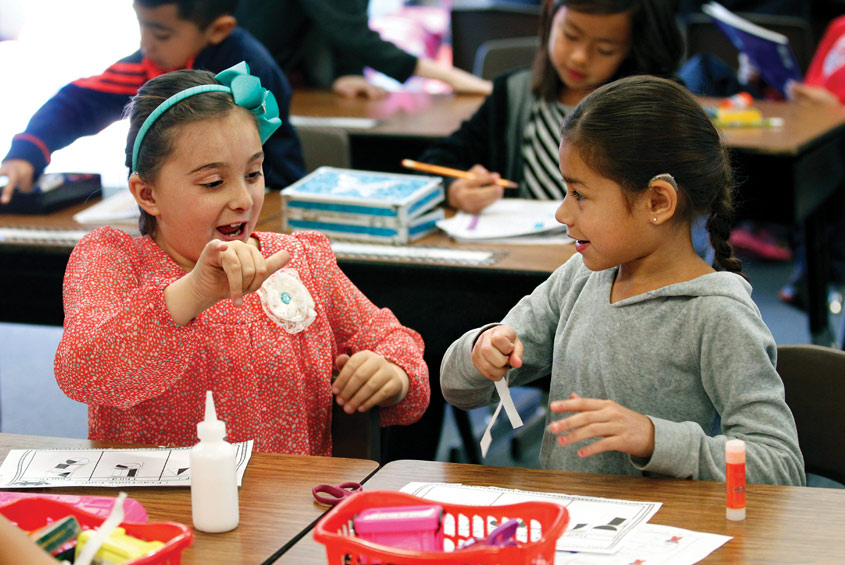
[(487, 437), (507, 401)]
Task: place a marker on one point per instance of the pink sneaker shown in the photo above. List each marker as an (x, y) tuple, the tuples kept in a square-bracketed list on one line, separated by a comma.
[(760, 243)]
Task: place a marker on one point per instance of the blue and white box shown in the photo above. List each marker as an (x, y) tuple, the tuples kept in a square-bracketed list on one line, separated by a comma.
[(363, 205)]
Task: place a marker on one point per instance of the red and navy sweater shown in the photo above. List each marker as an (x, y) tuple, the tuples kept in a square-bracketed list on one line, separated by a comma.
[(86, 106)]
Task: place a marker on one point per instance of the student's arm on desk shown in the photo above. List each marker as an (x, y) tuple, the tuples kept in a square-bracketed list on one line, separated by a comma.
[(120, 345), (19, 175), (74, 111), (460, 80), (475, 194), (359, 325), (352, 86), (809, 95), (468, 149)]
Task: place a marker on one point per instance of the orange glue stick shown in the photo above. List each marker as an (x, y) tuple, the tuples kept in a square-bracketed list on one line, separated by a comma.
[(735, 478)]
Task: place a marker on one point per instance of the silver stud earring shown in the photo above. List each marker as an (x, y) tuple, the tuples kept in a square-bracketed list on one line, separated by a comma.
[(655, 220)]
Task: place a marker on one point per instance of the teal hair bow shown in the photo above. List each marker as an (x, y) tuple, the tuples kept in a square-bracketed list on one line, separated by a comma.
[(247, 92)]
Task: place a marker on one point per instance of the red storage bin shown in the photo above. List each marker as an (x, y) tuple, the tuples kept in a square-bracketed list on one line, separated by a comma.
[(32, 513), (545, 522)]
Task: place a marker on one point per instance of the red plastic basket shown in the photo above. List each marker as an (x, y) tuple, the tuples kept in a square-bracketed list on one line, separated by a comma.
[(33, 513), (544, 524)]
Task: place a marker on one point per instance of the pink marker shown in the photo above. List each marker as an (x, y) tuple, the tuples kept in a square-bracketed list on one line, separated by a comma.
[(735, 478)]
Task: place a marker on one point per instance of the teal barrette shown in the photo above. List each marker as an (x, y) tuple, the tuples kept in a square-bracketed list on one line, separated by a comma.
[(244, 88)]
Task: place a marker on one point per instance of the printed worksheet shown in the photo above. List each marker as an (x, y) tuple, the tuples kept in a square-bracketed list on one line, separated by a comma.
[(598, 525), (156, 467), (652, 544)]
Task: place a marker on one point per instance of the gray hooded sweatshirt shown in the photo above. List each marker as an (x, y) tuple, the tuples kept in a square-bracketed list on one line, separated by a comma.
[(695, 357)]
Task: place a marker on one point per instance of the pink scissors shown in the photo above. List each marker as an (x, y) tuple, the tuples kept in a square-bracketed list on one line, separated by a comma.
[(331, 495)]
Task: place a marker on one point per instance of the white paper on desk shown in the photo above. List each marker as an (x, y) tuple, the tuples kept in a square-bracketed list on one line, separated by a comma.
[(333, 122), (507, 218), (551, 238), (119, 206), (597, 525), (165, 466), (655, 545)]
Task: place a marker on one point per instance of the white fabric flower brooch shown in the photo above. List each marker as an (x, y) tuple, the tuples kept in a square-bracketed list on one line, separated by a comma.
[(286, 301)]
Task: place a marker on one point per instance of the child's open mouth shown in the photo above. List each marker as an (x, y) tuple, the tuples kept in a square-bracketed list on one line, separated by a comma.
[(232, 231), (581, 244)]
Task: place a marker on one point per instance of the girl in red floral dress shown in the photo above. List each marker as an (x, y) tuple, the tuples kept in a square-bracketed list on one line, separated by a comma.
[(152, 322)]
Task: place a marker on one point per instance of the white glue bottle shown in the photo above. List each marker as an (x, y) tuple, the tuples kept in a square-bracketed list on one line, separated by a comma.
[(214, 481)]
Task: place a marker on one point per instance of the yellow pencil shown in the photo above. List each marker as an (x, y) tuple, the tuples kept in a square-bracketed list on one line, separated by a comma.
[(450, 172)]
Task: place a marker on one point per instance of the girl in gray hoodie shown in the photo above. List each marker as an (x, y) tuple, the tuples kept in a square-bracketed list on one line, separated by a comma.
[(656, 358)]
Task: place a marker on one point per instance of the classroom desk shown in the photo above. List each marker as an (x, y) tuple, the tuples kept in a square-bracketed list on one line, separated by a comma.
[(441, 301), (407, 122), (784, 524), (276, 505), (784, 175)]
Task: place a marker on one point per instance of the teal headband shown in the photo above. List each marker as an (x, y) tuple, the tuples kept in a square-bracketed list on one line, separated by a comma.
[(244, 88)]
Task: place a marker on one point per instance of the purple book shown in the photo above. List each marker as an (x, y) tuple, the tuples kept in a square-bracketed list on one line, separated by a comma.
[(768, 50)]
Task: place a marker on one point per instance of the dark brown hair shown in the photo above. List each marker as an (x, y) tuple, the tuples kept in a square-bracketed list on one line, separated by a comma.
[(656, 42), (201, 12), (637, 127), (157, 144)]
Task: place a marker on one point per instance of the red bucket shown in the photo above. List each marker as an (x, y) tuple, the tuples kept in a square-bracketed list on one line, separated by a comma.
[(541, 524), (33, 513)]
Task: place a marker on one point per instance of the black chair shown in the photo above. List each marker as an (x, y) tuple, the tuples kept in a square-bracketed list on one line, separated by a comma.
[(356, 436), (499, 55), (702, 36), (472, 26), (814, 380), (324, 146)]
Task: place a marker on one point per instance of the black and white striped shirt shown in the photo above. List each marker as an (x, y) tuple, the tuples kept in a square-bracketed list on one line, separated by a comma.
[(540, 151)]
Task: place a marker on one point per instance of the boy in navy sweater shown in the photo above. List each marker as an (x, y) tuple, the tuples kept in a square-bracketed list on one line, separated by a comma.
[(175, 34)]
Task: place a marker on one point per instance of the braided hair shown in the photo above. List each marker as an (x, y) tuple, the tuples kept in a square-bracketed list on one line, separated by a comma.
[(641, 126)]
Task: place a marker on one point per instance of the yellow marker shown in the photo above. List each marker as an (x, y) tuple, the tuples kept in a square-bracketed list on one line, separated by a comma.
[(748, 117), (741, 115)]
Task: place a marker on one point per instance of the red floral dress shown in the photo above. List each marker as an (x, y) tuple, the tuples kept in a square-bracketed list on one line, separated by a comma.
[(144, 378)]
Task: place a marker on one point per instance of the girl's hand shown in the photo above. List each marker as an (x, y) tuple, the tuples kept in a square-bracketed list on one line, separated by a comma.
[(224, 270), (367, 379), (20, 174), (473, 195), (621, 429), (496, 351), (807, 95), (232, 270), (352, 86)]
